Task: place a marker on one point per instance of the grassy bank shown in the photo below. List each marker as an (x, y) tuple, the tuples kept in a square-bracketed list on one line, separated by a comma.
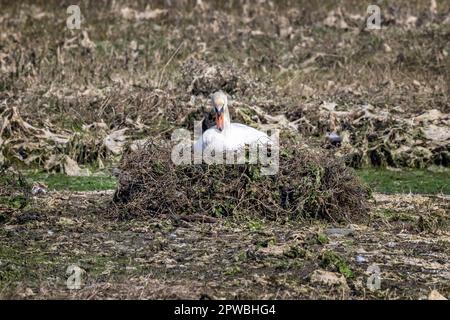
[(407, 180), (380, 180)]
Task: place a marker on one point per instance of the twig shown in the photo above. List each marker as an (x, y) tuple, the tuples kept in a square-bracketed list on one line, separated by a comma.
[(167, 63)]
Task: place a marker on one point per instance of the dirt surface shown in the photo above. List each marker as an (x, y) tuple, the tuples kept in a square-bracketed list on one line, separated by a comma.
[(166, 258)]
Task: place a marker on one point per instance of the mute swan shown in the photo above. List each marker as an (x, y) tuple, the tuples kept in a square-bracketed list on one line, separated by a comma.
[(227, 136)]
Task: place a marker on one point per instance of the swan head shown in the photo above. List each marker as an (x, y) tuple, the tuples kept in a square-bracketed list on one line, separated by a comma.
[(219, 102)]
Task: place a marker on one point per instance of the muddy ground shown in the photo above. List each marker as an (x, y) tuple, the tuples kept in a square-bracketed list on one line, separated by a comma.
[(256, 259)]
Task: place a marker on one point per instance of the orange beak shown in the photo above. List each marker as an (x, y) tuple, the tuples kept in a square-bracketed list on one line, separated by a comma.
[(219, 121)]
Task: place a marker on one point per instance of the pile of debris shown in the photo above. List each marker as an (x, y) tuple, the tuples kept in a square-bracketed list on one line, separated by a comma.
[(309, 184), (202, 78), (55, 149), (14, 193), (370, 136)]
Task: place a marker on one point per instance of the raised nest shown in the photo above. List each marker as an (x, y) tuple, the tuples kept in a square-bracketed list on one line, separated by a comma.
[(307, 185), (14, 193)]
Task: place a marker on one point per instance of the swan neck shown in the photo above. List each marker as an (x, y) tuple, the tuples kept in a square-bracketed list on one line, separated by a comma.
[(226, 120)]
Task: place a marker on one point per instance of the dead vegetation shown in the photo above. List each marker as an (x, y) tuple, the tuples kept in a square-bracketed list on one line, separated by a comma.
[(311, 68), (307, 185), (370, 136), (72, 100)]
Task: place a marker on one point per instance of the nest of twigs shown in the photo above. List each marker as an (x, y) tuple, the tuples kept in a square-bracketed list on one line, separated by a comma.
[(14, 193), (307, 185)]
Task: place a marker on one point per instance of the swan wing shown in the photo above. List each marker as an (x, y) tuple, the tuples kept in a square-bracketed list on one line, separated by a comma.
[(210, 137), (238, 136), (243, 134)]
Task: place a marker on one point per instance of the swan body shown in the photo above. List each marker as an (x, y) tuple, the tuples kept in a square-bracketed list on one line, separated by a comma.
[(227, 136), (236, 138)]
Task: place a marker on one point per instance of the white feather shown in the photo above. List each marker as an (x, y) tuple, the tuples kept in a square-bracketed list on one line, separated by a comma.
[(234, 136)]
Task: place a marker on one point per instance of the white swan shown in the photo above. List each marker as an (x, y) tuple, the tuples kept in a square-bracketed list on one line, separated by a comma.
[(227, 136)]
